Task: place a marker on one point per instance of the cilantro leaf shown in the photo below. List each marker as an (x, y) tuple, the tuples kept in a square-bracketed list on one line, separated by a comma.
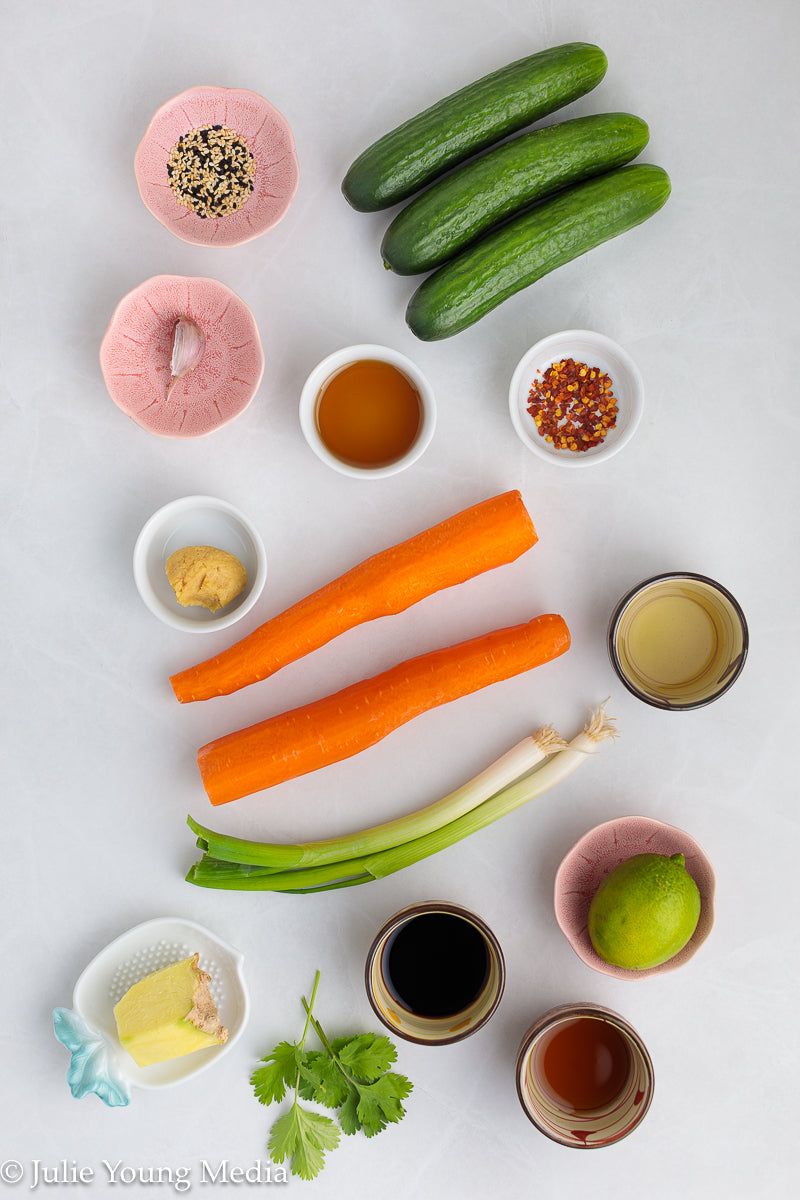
[(321, 1080), (367, 1056), (380, 1103), (348, 1113), (349, 1074), (304, 1137), (279, 1072)]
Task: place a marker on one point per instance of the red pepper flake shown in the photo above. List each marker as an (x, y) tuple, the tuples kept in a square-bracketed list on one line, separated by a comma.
[(573, 405)]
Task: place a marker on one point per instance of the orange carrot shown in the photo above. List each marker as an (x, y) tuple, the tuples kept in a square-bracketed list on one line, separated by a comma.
[(341, 725), (482, 537)]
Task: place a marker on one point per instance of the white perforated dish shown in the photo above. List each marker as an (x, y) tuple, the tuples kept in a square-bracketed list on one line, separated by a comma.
[(129, 958)]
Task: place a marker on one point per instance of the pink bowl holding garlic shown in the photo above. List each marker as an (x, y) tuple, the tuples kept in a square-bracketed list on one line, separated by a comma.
[(602, 849), (182, 356)]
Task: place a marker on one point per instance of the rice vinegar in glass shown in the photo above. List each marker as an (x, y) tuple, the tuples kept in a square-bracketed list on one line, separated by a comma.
[(678, 641)]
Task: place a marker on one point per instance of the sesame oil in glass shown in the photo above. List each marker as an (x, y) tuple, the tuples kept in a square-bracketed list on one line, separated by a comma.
[(583, 1065)]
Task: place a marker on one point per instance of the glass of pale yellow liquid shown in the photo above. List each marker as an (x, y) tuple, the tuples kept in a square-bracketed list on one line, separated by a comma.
[(678, 640)]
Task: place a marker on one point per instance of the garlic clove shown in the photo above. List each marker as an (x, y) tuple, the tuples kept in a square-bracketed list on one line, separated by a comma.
[(188, 346)]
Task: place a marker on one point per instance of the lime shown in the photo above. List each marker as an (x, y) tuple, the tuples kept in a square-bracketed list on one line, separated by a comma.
[(644, 911)]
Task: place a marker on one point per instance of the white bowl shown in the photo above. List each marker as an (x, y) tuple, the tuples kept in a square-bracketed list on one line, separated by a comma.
[(197, 521), (342, 358), (596, 350)]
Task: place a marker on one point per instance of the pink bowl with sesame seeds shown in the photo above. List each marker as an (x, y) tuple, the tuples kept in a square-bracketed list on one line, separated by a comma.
[(217, 166)]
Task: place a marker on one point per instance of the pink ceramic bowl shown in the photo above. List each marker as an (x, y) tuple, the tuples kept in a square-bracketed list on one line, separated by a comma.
[(595, 856)]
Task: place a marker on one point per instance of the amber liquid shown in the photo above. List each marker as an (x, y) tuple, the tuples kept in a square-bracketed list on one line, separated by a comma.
[(369, 413), (582, 1065)]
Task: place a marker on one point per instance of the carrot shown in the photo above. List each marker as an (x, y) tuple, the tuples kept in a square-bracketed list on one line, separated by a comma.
[(482, 537), (338, 726)]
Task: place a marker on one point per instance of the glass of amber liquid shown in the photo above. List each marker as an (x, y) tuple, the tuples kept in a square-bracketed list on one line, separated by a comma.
[(584, 1076)]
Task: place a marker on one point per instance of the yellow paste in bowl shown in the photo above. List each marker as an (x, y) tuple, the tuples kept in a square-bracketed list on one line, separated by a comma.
[(204, 575)]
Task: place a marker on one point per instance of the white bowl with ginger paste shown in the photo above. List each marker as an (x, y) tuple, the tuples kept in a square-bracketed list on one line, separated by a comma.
[(199, 564)]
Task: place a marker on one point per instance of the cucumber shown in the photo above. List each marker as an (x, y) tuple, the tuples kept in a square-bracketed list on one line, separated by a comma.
[(455, 211), (533, 244), (421, 149)]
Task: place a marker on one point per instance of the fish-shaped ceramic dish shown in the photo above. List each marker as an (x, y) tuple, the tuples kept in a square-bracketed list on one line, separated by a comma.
[(98, 1062)]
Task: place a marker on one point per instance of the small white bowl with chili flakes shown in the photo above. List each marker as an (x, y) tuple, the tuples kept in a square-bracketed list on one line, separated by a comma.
[(576, 398)]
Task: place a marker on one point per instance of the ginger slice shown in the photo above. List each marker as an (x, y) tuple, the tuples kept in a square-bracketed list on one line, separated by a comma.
[(168, 1014)]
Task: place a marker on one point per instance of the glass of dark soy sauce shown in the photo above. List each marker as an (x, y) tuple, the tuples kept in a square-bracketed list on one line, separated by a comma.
[(435, 973)]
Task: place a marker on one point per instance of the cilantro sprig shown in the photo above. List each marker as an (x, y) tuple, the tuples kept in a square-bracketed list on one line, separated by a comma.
[(351, 1074)]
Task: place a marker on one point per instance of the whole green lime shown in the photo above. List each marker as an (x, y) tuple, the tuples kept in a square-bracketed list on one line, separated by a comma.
[(644, 911)]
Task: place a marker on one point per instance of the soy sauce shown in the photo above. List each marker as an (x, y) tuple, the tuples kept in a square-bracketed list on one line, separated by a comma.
[(436, 964)]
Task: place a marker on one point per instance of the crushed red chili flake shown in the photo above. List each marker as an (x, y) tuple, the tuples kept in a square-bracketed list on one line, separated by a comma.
[(573, 405)]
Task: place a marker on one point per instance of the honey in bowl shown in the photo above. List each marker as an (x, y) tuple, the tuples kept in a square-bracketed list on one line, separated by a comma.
[(369, 413)]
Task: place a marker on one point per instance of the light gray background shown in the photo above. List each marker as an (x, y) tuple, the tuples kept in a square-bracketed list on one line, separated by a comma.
[(99, 772)]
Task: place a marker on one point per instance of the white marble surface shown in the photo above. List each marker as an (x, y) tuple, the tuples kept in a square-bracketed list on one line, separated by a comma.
[(98, 766)]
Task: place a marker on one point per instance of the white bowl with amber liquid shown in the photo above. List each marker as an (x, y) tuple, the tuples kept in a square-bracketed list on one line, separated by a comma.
[(678, 641), (367, 411)]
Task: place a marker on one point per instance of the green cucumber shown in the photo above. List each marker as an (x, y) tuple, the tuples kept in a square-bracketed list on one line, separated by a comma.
[(484, 112), (464, 205), (533, 244)]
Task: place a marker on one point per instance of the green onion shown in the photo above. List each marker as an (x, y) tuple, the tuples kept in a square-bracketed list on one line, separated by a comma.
[(522, 758), (378, 860)]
